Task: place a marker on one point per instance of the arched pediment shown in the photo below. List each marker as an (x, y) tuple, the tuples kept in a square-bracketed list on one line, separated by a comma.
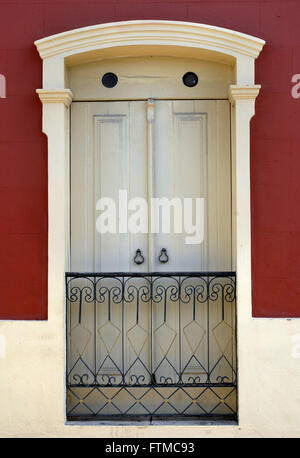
[(137, 38), (149, 33)]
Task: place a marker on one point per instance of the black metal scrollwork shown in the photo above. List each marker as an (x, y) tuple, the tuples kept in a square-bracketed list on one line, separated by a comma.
[(160, 336)]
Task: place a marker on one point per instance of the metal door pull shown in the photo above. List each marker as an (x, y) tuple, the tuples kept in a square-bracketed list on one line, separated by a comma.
[(163, 257), (139, 258)]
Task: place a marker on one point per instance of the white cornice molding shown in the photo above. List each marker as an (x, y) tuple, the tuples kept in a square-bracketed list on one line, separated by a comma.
[(243, 92), (174, 33), (64, 96)]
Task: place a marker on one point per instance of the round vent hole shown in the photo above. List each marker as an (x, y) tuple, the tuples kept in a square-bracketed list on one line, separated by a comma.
[(190, 79), (109, 80)]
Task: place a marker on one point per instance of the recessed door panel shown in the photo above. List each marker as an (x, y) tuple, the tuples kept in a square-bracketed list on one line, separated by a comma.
[(109, 155), (192, 161)]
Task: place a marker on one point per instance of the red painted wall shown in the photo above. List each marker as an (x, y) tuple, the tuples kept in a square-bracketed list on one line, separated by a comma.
[(275, 137)]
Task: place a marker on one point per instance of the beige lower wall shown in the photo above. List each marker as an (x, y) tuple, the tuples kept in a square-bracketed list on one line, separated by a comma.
[(32, 398)]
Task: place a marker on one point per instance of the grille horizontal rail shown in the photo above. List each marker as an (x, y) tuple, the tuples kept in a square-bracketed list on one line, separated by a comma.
[(151, 344)]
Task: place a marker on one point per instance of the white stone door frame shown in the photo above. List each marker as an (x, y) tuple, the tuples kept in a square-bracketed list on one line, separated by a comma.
[(141, 38)]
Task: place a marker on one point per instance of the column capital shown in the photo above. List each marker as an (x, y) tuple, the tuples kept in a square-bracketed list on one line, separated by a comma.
[(64, 96), (237, 92)]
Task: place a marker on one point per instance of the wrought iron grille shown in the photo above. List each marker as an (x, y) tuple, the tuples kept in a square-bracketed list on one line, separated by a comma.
[(151, 344)]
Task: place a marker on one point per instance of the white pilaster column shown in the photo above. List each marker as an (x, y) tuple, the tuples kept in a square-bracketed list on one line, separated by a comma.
[(56, 127), (242, 99)]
